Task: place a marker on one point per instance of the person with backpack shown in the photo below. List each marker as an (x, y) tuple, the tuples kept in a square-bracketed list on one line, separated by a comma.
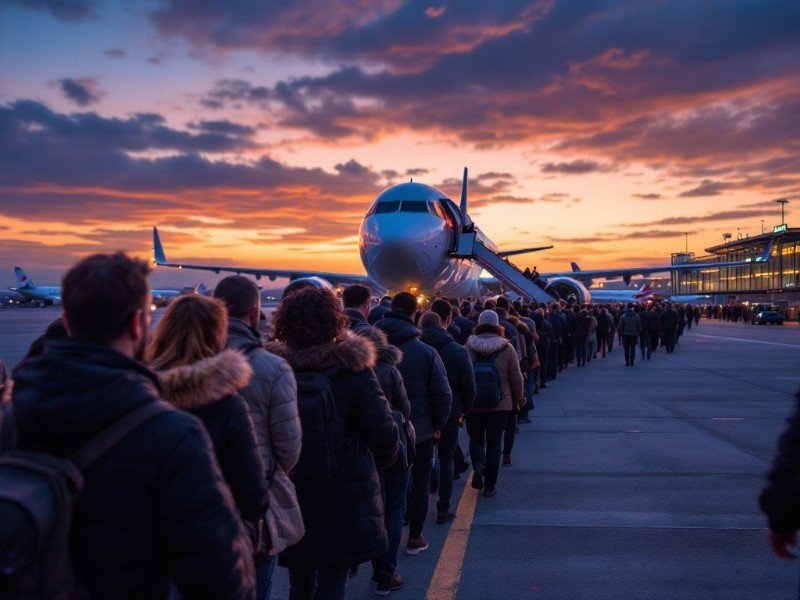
[(348, 434), (499, 390), (272, 398), (394, 479), (198, 375), (462, 386), (429, 393), (153, 508)]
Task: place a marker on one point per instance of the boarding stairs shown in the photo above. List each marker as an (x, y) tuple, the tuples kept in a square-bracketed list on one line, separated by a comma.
[(470, 245)]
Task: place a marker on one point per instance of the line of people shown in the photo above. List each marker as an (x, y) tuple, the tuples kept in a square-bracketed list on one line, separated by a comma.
[(208, 455)]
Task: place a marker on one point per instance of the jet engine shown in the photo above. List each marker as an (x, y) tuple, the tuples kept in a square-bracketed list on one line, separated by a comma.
[(566, 287), (303, 282)]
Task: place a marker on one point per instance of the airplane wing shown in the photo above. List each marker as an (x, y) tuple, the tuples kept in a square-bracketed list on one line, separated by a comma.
[(627, 272), (160, 259)]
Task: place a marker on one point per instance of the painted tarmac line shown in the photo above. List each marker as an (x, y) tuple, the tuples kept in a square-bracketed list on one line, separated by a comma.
[(447, 576), (719, 337)]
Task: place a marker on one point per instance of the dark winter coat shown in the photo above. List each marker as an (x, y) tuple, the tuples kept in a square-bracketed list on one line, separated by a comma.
[(458, 365), (386, 361), (780, 500), (357, 320), (155, 506), (208, 389), (344, 516), (558, 327), (604, 322), (582, 322), (466, 326), (669, 319), (423, 374), (630, 323)]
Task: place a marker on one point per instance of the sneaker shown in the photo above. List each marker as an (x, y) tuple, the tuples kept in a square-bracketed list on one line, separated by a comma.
[(416, 545), (477, 479), (389, 584), (443, 516), (488, 493), (506, 461)]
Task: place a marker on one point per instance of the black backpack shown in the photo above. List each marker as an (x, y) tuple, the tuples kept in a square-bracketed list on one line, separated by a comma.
[(319, 456), (406, 452), (487, 380), (38, 491)]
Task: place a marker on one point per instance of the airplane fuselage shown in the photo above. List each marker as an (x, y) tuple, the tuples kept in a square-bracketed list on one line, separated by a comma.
[(405, 242)]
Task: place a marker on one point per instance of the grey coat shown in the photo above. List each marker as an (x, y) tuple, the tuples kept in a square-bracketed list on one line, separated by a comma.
[(272, 397)]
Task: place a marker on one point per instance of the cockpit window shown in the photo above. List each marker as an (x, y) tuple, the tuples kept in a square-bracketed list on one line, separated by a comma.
[(415, 206), (389, 206)]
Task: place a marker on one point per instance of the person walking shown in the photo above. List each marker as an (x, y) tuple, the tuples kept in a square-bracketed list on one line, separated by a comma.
[(154, 508), (603, 331), (669, 327), (348, 434), (591, 339), (462, 387), (425, 379), (630, 326), (198, 375), (271, 396), (499, 390), (394, 479), (580, 336)]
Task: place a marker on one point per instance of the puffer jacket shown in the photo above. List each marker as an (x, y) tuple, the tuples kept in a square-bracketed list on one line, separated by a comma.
[(208, 389), (344, 516), (423, 374), (272, 398), (458, 366), (153, 508), (630, 323), (386, 360), (486, 340)]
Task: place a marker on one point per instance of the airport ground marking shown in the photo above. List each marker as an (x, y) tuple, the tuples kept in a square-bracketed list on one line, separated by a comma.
[(447, 576), (735, 339)]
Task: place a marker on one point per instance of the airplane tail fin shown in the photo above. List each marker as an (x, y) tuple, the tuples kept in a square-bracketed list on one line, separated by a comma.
[(158, 250), (645, 287), (200, 289), (23, 281), (575, 267), (767, 252)]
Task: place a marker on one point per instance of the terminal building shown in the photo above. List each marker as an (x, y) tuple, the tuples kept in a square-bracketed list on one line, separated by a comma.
[(776, 281)]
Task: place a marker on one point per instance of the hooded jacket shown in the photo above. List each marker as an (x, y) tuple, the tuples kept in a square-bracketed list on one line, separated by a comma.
[(344, 516), (458, 366), (207, 389), (423, 374), (487, 340), (387, 358), (630, 323), (357, 320), (155, 506), (272, 398)]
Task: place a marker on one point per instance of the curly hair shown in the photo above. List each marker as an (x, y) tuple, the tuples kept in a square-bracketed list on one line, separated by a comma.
[(309, 317)]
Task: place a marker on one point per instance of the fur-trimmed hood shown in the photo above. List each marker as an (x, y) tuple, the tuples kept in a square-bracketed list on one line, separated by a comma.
[(352, 352), (206, 381), (486, 343), (386, 353)]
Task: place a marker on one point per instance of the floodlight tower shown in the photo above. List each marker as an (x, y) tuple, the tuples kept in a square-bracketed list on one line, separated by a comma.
[(783, 202)]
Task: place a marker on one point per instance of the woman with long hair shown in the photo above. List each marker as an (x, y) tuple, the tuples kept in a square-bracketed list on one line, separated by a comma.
[(198, 375), (348, 434)]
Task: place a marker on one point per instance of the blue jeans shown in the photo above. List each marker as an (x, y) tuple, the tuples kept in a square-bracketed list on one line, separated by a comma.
[(264, 573), (393, 491), (322, 584), (420, 487)]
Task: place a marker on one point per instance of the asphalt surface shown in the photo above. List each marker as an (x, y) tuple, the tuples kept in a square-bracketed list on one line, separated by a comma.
[(630, 483)]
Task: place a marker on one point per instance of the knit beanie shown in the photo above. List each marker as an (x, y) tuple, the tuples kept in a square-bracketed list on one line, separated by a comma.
[(488, 317)]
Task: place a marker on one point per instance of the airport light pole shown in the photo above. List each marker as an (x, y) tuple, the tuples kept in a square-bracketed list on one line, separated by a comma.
[(783, 202), (686, 235)]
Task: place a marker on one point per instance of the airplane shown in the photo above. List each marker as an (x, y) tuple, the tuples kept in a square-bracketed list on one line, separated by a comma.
[(414, 238), (46, 296), (643, 294), (51, 296)]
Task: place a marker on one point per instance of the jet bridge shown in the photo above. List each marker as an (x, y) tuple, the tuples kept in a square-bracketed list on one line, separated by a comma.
[(469, 244)]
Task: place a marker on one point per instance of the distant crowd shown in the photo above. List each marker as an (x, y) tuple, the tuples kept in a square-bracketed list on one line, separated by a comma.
[(191, 462)]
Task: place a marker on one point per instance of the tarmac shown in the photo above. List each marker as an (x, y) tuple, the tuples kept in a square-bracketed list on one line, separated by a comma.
[(629, 483)]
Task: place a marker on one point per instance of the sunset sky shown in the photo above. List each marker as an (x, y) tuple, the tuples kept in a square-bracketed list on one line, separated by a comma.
[(258, 132)]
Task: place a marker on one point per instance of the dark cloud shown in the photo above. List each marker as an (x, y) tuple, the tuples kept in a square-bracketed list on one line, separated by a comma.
[(648, 196), (115, 53), (67, 10), (728, 215), (601, 238), (224, 127), (415, 172), (706, 188), (575, 167), (82, 92)]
